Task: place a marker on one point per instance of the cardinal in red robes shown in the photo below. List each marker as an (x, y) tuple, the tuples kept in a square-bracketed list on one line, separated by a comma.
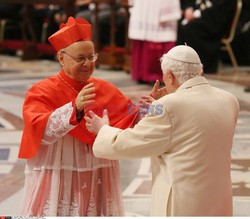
[(63, 177)]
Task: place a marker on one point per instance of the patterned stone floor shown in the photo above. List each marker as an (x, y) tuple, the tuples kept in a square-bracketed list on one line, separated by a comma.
[(16, 77)]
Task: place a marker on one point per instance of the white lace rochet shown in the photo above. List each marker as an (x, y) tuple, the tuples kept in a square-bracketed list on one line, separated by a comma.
[(66, 179)]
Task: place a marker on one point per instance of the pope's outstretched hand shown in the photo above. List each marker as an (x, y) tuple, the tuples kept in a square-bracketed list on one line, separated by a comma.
[(94, 123)]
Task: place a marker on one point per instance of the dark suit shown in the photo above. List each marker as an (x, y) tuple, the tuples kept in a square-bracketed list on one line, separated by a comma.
[(204, 34)]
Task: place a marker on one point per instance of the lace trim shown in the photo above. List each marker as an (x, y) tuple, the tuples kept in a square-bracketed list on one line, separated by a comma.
[(46, 207), (74, 208), (58, 124), (92, 208), (111, 207), (63, 207), (59, 120)]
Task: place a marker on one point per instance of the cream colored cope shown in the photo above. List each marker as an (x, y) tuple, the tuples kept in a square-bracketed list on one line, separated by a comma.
[(190, 144)]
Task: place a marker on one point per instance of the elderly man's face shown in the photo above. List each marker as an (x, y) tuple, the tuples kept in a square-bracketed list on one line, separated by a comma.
[(78, 70)]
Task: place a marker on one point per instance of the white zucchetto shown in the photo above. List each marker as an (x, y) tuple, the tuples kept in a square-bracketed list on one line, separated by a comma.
[(184, 54)]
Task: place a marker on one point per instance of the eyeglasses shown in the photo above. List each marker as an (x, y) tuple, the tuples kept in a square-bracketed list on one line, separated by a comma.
[(82, 59)]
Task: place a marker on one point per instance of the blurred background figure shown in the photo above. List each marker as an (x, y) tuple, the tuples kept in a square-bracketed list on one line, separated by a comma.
[(46, 18), (104, 14), (10, 15), (241, 42), (202, 27), (84, 10), (10, 11), (41, 18), (153, 31)]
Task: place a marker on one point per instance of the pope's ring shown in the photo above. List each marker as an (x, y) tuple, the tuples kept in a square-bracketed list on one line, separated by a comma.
[(82, 98)]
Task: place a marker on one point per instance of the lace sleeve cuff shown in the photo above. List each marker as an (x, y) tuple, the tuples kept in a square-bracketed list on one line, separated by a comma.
[(58, 124)]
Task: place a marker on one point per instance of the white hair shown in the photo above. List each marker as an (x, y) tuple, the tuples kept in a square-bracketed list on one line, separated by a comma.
[(183, 71)]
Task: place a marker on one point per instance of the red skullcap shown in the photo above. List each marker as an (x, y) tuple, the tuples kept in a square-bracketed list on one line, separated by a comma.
[(76, 29)]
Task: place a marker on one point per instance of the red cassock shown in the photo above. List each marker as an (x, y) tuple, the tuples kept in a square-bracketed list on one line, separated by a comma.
[(51, 93)]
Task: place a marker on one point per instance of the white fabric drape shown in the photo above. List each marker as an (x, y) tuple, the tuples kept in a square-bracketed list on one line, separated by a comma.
[(154, 20)]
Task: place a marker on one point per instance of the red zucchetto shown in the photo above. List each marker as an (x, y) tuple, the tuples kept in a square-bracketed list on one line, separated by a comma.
[(76, 29)]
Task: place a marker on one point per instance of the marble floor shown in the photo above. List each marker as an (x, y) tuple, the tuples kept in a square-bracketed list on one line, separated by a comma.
[(17, 76)]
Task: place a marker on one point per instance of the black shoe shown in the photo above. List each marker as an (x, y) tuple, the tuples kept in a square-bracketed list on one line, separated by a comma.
[(247, 89)]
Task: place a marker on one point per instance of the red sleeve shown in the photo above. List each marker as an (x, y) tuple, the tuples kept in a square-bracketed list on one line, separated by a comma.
[(36, 112)]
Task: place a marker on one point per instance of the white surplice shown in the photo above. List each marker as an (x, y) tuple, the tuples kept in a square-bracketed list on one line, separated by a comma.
[(66, 179)]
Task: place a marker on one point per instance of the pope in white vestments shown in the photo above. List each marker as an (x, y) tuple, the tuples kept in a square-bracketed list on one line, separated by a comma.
[(189, 140)]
